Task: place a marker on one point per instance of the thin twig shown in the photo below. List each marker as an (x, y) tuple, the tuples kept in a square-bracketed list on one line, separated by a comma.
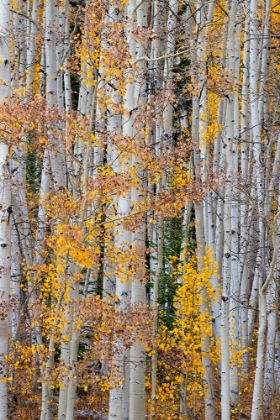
[(30, 19)]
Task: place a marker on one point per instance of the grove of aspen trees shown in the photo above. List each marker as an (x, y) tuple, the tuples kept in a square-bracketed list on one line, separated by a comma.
[(139, 209)]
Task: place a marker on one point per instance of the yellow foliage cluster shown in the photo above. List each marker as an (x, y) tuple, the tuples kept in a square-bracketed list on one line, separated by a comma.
[(180, 371)]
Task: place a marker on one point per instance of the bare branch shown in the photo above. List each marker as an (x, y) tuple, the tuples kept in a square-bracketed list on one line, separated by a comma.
[(163, 57), (30, 19)]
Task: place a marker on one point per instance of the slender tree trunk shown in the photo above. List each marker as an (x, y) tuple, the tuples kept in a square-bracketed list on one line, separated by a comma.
[(244, 270), (257, 404), (31, 50), (159, 270), (6, 210), (268, 384), (208, 383), (138, 290)]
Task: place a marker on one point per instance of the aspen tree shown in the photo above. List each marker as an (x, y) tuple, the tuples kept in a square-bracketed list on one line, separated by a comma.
[(50, 159), (158, 273), (231, 214), (21, 243), (200, 229), (244, 270), (16, 276), (258, 391), (114, 119), (6, 210), (119, 397), (258, 176), (123, 290), (31, 50), (270, 367), (164, 138), (138, 290)]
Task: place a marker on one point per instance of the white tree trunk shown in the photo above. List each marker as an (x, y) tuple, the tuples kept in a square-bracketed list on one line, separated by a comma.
[(257, 404), (31, 50), (244, 273), (208, 383), (6, 216), (138, 291), (159, 270), (269, 383), (119, 397)]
